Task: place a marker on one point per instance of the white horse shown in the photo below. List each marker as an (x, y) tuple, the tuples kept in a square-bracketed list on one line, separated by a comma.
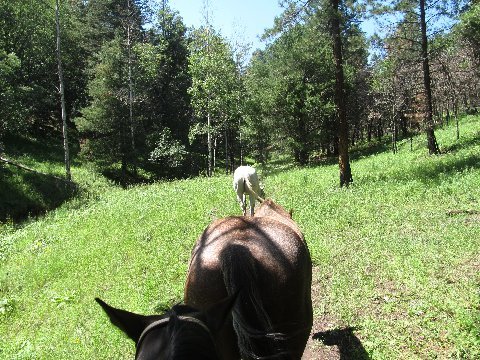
[(245, 181)]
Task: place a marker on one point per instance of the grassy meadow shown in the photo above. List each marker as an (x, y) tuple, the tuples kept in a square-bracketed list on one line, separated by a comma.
[(396, 255)]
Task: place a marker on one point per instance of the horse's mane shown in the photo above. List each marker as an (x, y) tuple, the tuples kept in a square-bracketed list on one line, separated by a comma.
[(188, 343), (250, 319)]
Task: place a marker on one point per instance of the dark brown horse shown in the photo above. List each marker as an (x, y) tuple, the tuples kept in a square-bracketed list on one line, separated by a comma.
[(266, 260), (182, 333), (260, 268)]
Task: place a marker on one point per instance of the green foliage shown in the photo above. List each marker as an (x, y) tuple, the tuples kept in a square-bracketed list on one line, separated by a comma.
[(12, 95), (150, 60), (469, 27), (216, 94), (27, 55), (215, 82), (105, 20), (291, 91), (282, 101), (156, 71), (291, 83), (162, 80), (106, 118), (167, 150)]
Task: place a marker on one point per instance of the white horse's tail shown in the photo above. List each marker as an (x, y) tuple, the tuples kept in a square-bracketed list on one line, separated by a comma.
[(248, 186)]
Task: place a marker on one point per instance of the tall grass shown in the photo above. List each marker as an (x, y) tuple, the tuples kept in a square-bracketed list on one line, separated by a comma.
[(26, 194), (397, 254)]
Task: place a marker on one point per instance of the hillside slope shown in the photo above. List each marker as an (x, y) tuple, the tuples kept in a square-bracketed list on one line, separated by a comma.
[(397, 256)]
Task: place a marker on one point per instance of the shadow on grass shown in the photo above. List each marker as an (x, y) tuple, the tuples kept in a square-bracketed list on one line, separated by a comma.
[(431, 171), (277, 165), (144, 176), (323, 160), (461, 144), (349, 345), (148, 172), (448, 167), (356, 152), (368, 149), (163, 307), (434, 168), (45, 149), (25, 194)]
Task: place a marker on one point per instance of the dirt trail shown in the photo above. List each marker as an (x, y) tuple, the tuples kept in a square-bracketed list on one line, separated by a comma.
[(329, 339)]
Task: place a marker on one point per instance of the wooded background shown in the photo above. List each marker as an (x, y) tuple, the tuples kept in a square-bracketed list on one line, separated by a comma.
[(145, 97)]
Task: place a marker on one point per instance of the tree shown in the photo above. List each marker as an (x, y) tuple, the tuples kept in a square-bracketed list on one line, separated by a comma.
[(163, 105), (428, 119), (28, 34), (107, 122), (466, 58), (290, 91), (430, 18), (130, 25), (214, 88), (339, 18), (12, 95), (397, 85), (261, 98), (62, 94), (172, 102), (469, 27), (106, 19), (342, 127)]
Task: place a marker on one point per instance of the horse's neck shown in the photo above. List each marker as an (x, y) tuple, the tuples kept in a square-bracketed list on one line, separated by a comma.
[(284, 220)]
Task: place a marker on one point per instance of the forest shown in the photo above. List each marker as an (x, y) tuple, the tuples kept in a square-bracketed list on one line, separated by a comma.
[(128, 87)]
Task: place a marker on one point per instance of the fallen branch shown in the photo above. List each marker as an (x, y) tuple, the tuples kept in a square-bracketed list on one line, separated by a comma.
[(10, 162), (463, 212)]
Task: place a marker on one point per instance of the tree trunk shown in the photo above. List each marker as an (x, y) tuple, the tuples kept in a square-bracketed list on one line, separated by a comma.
[(214, 164), (209, 121), (209, 144), (240, 141), (226, 152), (394, 136), (123, 171), (232, 160), (62, 96), (455, 106), (428, 118), (130, 88), (342, 125)]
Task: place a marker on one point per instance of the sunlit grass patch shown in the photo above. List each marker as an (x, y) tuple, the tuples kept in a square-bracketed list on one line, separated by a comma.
[(396, 253)]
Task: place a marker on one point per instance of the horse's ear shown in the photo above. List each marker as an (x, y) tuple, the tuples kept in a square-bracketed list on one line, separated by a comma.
[(217, 314), (130, 323)]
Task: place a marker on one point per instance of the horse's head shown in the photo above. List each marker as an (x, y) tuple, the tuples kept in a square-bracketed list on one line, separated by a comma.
[(270, 208), (180, 333)]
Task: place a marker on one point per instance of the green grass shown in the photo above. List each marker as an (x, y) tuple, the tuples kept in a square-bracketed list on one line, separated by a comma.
[(26, 194), (397, 254)]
